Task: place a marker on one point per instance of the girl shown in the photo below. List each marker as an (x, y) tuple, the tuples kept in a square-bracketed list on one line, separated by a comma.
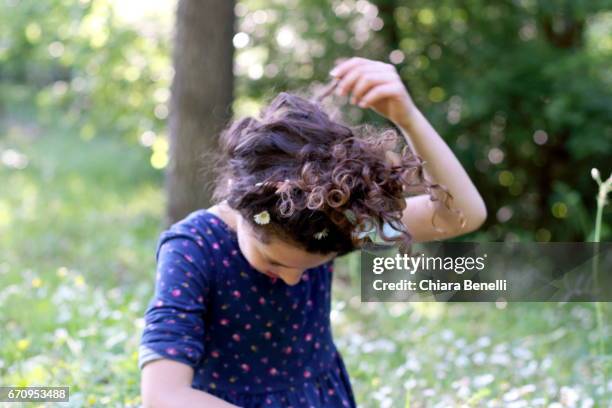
[(240, 315)]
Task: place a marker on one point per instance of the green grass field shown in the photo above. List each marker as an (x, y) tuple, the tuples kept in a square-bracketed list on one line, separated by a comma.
[(79, 221)]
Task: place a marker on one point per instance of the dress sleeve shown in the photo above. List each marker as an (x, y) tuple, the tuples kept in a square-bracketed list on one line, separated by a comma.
[(174, 318)]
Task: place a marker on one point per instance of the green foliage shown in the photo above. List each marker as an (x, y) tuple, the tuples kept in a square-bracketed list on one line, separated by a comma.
[(88, 68), (73, 285)]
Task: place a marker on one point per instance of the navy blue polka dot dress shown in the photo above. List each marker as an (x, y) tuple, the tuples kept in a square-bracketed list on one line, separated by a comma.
[(252, 340)]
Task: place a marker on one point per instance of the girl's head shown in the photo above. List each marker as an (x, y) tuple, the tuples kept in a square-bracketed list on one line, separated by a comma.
[(321, 182), (276, 257)]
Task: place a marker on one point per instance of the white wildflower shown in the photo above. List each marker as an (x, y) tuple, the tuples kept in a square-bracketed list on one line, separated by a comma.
[(262, 217), (321, 234)]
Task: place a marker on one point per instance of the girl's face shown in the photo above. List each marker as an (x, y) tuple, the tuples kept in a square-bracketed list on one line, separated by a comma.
[(277, 259)]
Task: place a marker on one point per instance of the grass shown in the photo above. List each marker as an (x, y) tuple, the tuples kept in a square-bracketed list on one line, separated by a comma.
[(78, 227)]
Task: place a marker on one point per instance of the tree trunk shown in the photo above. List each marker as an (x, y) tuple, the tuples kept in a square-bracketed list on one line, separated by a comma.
[(200, 103)]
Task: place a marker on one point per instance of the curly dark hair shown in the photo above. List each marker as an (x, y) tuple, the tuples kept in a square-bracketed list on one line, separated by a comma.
[(307, 169)]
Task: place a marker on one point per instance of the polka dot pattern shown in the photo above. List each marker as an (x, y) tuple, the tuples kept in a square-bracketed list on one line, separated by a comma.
[(251, 339)]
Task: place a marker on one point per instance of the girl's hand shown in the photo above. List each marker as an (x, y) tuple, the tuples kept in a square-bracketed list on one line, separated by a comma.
[(376, 85)]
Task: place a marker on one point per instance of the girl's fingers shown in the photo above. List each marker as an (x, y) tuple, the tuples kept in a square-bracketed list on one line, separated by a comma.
[(349, 71), (342, 68), (346, 83), (367, 82), (379, 92), (358, 75), (351, 78)]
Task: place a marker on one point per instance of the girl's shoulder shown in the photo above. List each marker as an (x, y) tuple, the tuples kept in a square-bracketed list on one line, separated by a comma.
[(207, 230)]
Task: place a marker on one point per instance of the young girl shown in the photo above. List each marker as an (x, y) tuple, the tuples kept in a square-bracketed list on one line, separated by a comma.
[(240, 314)]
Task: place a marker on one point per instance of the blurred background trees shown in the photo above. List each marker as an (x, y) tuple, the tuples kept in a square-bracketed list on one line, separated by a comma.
[(90, 118), (520, 89)]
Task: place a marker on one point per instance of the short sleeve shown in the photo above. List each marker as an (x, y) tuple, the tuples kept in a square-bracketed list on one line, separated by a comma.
[(175, 316)]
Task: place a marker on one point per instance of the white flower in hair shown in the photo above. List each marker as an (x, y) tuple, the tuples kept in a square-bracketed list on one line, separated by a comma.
[(262, 217), (321, 234)]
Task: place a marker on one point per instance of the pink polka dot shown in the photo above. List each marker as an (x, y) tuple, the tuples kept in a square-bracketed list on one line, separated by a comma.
[(307, 374), (172, 351), (176, 292)]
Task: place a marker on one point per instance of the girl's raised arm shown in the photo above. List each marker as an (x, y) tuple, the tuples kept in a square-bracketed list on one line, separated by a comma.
[(442, 167), (377, 85)]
